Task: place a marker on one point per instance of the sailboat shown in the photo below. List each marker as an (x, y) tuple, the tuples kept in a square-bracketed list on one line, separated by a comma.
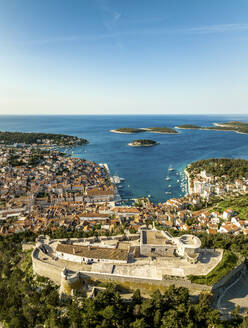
[(171, 168)]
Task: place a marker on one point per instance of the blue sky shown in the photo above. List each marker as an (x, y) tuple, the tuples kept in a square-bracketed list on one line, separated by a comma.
[(123, 57)]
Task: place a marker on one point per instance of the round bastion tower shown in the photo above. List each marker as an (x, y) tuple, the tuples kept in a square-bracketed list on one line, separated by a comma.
[(188, 246), (71, 281)]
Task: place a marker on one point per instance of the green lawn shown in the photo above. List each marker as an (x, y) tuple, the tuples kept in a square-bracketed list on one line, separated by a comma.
[(227, 264)]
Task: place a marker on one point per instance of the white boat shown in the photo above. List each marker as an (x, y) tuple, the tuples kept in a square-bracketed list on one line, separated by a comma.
[(116, 179), (167, 178), (171, 168), (169, 186), (167, 192)]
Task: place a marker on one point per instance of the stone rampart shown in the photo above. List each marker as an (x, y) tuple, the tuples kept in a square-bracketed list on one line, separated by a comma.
[(147, 285), (45, 269), (53, 272), (226, 281), (28, 246)]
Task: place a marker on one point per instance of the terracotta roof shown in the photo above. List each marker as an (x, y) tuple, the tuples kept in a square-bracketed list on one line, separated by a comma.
[(230, 227), (99, 192), (93, 252), (94, 215), (212, 231), (127, 210)]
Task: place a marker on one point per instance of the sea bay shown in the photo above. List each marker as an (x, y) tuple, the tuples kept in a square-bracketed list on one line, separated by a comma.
[(144, 168)]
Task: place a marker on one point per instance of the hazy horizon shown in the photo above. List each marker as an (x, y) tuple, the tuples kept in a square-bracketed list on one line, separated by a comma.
[(140, 114)]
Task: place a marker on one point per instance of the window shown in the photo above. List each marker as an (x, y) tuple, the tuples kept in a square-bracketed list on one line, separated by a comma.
[(153, 250)]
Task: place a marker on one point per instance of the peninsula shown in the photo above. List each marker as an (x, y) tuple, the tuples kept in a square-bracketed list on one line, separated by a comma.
[(234, 126), (162, 130), (42, 139), (143, 143), (217, 176)]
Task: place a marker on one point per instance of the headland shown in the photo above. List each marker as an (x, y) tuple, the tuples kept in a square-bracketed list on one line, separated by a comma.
[(234, 126), (39, 139)]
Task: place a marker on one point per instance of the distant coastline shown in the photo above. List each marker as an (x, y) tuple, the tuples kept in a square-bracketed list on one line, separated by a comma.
[(39, 138), (209, 129), (236, 126)]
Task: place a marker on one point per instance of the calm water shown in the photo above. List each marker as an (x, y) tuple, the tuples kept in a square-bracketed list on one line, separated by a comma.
[(144, 169)]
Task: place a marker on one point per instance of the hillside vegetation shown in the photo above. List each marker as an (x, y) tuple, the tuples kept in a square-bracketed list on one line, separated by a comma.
[(238, 204), (233, 168), (162, 130), (226, 265), (10, 138), (236, 126), (27, 301)]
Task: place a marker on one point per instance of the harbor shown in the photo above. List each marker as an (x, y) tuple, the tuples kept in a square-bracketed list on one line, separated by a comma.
[(175, 178)]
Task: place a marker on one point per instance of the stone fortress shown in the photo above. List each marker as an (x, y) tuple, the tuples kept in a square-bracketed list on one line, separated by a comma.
[(149, 260), (162, 244)]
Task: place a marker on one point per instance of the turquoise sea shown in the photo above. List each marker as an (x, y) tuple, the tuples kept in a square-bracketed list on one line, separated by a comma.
[(144, 169)]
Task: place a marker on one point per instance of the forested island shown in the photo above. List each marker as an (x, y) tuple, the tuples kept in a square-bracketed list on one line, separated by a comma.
[(162, 130), (143, 143), (126, 130), (229, 168), (188, 126), (28, 138), (235, 126)]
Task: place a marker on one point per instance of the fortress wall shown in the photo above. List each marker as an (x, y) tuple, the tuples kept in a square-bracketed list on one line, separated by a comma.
[(147, 285), (209, 250), (45, 269), (28, 246), (226, 281)]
